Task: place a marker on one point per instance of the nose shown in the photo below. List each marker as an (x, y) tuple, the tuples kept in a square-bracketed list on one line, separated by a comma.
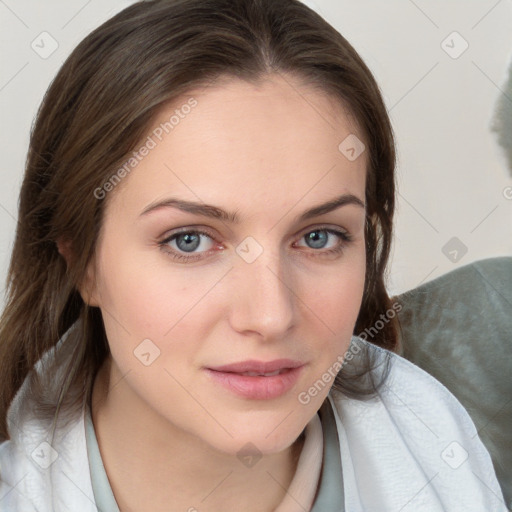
[(262, 299)]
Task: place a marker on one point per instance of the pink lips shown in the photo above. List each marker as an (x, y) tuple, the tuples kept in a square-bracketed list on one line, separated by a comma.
[(258, 380)]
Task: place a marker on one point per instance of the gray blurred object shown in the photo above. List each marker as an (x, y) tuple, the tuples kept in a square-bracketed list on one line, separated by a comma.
[(502, 119), (458, 328)]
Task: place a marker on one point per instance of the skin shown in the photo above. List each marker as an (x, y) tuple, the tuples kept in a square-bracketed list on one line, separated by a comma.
[(168, 435)]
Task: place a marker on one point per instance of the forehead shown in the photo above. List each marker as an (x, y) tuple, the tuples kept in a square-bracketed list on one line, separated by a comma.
[(278, 139)]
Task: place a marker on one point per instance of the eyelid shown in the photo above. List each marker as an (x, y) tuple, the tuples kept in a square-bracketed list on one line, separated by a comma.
[(187, 229), (320, 227)]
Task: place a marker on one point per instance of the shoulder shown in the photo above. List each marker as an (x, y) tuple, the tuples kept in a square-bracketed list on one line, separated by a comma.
[(413, 398), (46, 471), (401, 380), (44, 465), (414, 430), (14, 479)]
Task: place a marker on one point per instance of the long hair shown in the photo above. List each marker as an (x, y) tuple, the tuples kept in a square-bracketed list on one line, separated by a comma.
[(98, 108)]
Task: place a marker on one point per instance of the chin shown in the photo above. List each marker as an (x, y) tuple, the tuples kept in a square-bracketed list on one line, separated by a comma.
[(263, 435)]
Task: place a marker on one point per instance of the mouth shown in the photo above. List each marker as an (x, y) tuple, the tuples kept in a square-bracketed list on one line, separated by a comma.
[(257, 374), (259, 367), (257, 380)]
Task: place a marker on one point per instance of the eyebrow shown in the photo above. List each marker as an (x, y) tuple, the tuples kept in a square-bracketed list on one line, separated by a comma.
[(208, 210)]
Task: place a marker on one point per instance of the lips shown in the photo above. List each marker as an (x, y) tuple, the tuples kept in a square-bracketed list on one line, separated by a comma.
[(257, 380)]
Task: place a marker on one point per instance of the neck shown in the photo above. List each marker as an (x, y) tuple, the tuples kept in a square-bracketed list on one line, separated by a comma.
[(148, 460)]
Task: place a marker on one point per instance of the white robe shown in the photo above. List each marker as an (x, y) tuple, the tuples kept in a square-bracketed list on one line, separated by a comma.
[(413, 447)]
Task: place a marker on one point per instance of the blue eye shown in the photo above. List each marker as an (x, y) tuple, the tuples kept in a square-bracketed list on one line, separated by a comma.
[(319, 238), (187, 242)]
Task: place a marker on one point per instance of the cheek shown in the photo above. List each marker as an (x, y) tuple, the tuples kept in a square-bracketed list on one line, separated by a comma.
[(150, 299), (172, 308), (336, 293), (336, 301)]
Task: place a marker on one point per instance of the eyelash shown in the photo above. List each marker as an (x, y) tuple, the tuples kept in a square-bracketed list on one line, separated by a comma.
[(345, 238)]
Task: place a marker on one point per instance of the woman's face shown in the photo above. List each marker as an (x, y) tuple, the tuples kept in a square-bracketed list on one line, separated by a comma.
[(185, 288)]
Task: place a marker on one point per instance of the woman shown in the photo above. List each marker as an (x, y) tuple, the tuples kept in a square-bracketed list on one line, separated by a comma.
[(204, 225)]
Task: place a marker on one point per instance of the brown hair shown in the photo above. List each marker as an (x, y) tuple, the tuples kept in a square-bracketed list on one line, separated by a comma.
[(100, 105)]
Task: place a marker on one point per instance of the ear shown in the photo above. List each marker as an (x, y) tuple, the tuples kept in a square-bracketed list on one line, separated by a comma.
[(65, 250), (87, 287)]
